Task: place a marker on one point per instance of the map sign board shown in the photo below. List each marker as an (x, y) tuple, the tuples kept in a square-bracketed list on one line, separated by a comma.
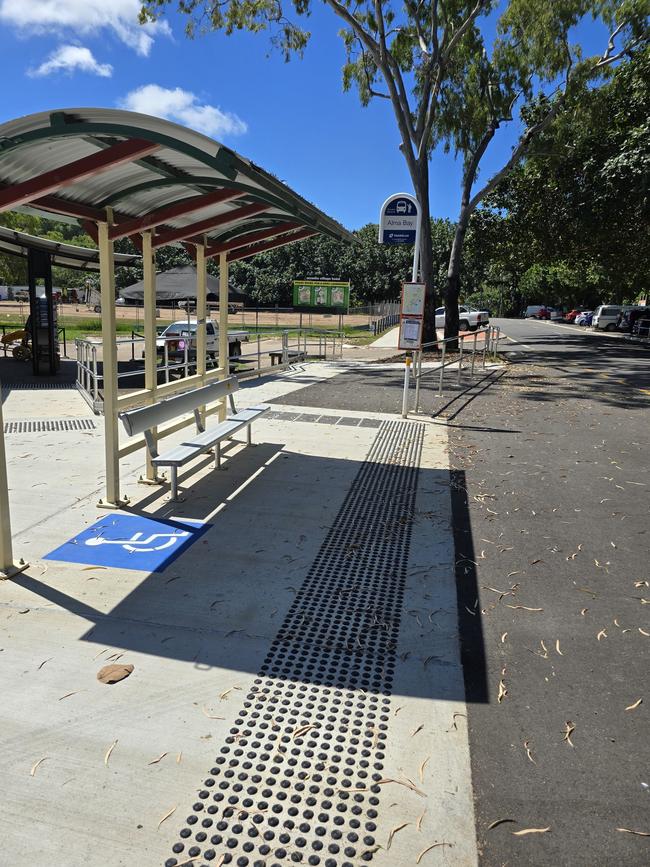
[(398, 220), (322, 295), (411, 315)]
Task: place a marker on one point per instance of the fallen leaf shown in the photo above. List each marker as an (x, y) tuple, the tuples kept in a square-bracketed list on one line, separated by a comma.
[(303, 730), (568, 731), (601, 634), (503, 692), (583, 611), (68, 694), (179, 757), (209, 715), (155, 761), (643, 632), (557, 647), (408, 785), (418, 729), (108, 752), (227, 691), (503, 637), (428, 849), (635, 705), (166, 816), (418, 824), (34, 766), (528, 752), (499, 822), (114, 673), (422, 767), (395, 831), (44, 661), (531, 831), (638, 833), (91, 568), (524, 608)]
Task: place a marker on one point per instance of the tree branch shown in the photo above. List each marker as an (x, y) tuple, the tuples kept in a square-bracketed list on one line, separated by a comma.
[(458, 34), (402, 114)]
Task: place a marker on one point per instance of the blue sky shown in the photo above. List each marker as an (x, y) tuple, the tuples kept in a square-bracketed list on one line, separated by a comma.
[(293, 119)]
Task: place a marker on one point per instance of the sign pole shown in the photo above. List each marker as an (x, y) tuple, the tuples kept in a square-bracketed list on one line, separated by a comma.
[(414, 278)]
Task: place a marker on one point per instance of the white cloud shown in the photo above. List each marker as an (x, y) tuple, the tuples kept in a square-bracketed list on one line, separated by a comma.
[(83, 17), (72, 58), (183, 107)]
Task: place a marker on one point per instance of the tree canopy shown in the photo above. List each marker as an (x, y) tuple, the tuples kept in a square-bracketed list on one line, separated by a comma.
[(446, 81)]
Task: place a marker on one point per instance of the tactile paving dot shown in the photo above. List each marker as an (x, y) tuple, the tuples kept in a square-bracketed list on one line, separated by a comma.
[(296, 780)]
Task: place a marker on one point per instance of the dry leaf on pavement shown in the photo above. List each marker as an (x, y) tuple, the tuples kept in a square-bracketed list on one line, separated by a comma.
[(114, 673)]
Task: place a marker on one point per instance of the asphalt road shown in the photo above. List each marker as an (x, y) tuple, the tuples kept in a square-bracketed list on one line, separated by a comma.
[(552, 519), (576, 351)]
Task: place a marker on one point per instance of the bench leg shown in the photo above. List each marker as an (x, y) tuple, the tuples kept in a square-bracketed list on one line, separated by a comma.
[(174, 480)]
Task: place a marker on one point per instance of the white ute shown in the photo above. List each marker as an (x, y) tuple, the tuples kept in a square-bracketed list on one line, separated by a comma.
[(469, 319), (184, 330)]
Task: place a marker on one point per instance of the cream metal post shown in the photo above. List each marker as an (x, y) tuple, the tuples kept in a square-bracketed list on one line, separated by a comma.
[(109, 354), (224, 361), (7, 566), (150, 348), (201, 316)]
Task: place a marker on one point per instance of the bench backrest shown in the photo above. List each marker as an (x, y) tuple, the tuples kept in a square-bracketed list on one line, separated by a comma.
[(144, 418)]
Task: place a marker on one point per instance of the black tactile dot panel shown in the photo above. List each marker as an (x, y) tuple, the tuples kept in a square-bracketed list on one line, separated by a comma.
[(296, 780)]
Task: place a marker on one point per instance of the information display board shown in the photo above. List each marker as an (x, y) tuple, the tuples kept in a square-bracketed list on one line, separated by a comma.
[(322, 295), (411, 315)]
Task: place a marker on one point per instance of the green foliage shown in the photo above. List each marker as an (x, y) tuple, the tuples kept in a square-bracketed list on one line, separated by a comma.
[(447, 84), (575, 210)]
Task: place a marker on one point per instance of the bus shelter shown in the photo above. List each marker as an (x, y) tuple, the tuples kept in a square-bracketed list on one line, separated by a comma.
[(128, 175)]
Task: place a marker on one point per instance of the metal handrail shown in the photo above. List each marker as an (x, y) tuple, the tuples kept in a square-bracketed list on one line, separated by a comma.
[(89, 381), (492, 335)]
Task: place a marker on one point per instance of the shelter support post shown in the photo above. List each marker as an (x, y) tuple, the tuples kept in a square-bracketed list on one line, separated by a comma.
[(150, 348), (224, 354), (109, 374), (201, 316), (7, 566)]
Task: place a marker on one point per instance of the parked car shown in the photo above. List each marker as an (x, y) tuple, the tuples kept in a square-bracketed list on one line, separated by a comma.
[(606, 317), (469, 319), (641, 326), (573, 314), (186, 334), (584, 318), (631, 316), (542, 311)]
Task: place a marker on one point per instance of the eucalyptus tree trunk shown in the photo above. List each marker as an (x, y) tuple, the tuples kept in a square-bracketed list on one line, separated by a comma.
[(427, 276), (452, 289)]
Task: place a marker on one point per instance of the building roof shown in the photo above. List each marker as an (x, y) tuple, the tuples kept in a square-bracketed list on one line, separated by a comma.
[(177, 283), (153, 174), (63, 255)]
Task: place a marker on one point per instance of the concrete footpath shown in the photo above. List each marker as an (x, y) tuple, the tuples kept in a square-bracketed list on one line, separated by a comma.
[(296, 694)]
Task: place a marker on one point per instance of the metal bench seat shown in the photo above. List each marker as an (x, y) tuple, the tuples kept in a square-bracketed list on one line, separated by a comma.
[(145, 419)]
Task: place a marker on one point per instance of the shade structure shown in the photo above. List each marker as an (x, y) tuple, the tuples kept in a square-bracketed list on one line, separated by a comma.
[(151, 174), (127, 175), (64, 255), (175, 284)]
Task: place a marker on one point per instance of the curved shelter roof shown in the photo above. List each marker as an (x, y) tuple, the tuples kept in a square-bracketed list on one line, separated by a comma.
[(153, 174), (63, 255)]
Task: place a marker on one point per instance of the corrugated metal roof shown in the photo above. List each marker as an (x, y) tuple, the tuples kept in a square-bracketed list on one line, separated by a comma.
[(63, 255), (185, 165)]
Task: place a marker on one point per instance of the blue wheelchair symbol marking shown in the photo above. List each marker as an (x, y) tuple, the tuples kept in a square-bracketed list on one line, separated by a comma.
[(131, 542)]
